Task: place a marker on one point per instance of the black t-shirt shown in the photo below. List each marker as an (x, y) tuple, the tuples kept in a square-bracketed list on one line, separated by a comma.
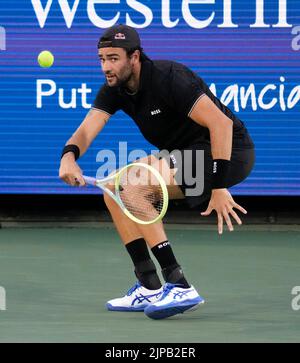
[(167, 94)]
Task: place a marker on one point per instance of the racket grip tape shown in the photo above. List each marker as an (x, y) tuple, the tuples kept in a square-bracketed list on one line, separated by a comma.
[(89, 180)]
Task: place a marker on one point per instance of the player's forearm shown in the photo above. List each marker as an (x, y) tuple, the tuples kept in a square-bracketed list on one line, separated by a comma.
[(221, 139), (93, 123), (206, 114), (79, 139)]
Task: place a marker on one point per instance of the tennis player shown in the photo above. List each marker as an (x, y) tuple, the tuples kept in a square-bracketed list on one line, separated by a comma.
[(174, 110)]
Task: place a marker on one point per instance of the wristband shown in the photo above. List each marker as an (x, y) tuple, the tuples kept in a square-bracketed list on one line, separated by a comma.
[(71, 148), (220, 173)]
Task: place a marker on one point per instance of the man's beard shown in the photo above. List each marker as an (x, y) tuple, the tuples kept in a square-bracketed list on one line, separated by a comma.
[(122, 82)]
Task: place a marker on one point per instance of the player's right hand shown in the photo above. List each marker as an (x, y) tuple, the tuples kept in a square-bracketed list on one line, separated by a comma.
[(70, 172)]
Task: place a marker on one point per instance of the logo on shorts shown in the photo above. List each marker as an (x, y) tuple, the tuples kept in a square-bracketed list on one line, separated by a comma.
[(172, 157), (120, 36)]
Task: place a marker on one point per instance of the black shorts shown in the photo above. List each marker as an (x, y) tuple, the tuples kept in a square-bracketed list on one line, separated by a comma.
[(187, 162)]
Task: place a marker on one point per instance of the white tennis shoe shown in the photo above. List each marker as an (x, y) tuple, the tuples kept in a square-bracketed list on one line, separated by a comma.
[(136, 299), (174, 300)]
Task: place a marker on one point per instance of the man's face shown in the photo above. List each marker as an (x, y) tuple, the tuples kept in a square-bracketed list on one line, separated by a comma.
[(116, 65)]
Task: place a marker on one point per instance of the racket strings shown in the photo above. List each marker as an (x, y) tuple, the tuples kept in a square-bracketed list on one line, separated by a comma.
[(141, 194), (145, 204)]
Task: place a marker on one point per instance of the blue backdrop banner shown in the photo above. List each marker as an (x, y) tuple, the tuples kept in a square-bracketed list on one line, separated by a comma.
[(247, 51)]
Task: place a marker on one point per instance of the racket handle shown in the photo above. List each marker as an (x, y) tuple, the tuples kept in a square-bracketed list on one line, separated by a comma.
[(89, 180)]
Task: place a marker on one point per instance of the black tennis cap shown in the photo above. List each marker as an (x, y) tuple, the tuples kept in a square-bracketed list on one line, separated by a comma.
[(120, 36)]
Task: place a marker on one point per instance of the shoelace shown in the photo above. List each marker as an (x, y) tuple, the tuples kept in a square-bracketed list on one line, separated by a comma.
[(133, 288), (167, 289)]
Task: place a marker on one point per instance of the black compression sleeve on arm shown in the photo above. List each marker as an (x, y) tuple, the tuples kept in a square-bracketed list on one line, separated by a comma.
[(71, 148), (220, 173)]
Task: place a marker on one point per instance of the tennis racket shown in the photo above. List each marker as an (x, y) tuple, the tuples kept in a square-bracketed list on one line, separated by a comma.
[(138, 189)]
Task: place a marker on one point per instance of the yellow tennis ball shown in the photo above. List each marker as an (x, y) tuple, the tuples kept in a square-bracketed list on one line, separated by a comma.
[(45, 59)]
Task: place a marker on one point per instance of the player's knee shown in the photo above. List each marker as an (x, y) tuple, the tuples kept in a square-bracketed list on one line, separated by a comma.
[(145, 160), (164, 170)]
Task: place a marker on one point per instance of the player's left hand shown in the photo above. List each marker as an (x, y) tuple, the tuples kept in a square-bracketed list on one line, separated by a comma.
[(222, 202)]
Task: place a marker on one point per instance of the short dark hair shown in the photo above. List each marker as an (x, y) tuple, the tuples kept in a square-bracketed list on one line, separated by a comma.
[(143, 56)]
